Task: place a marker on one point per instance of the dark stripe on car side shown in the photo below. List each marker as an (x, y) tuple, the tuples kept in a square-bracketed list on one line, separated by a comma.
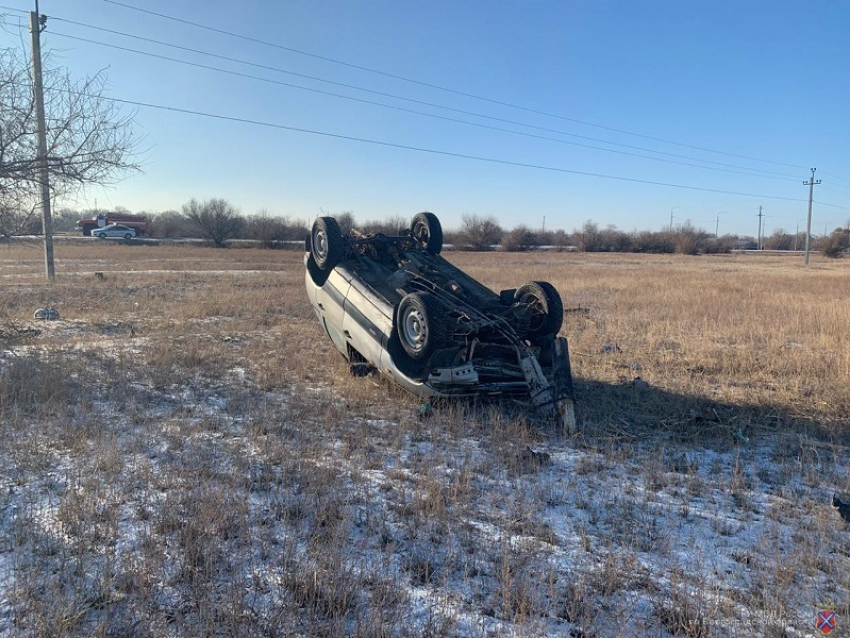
[(334, 294), (361, 320)]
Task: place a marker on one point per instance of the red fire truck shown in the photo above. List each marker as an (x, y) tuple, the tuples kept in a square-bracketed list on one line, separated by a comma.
[(137, 222)]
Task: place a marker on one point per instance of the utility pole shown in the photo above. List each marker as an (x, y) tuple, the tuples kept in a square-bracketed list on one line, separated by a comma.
[(760, 217), (36, 25), (717, 226), (811, 184), (671, 215)]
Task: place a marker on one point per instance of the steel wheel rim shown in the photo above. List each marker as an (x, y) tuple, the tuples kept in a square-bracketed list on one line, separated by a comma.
[(320, 242), (420, 233), (537, 314), (413, 329)]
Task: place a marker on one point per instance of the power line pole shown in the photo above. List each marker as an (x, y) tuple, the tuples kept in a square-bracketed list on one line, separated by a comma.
[(671, 215), (760, 217), (811, 184), (36, 24)]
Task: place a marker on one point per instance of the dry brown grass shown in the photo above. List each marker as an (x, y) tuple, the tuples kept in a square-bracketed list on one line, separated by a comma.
[(743, 331), (184, 454)]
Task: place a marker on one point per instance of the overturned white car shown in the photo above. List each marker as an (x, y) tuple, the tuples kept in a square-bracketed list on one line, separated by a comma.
[(393, 303)]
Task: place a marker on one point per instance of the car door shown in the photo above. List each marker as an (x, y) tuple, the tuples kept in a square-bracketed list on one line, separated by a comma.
[(367, 322), (330, 303)]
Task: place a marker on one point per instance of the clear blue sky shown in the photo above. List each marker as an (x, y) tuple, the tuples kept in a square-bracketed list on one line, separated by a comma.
[(761, 79)]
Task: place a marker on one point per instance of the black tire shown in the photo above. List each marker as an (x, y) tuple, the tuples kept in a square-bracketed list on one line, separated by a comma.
[(128, 236), (428, 233), (420, 325), (543, 306), (101, 236), (326, 243)]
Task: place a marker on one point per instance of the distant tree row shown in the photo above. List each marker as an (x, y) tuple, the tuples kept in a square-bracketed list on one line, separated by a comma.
[(484, 233), (219, 221)]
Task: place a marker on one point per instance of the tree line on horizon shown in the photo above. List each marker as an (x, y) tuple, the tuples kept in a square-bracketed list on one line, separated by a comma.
[(219, 221)]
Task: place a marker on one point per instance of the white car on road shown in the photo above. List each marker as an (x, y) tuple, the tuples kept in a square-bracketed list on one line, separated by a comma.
[(114, 230)]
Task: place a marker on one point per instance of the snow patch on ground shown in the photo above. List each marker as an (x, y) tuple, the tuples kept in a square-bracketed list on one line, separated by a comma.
[(266, 499)]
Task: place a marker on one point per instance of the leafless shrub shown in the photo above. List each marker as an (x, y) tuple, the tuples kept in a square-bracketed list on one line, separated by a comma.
[(654, 242), (268, 229), (519, 239), (216, 219), (837, 243), (478, 233), (588, 238), (169, 223), (392, 225)]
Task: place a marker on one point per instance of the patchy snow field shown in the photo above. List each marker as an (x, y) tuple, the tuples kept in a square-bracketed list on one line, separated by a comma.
[(172, 465)]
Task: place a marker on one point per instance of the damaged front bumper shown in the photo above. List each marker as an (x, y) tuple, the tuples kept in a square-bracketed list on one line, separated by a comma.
[(550, 390)]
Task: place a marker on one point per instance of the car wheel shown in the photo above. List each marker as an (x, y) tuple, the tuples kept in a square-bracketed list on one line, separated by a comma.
[(326, 243), (428, 233), (101, 236), (128, 236), (420, 325), (542, 305)]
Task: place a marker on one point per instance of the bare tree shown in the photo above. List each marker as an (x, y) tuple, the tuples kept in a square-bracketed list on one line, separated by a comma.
[(478, 232), (689, 239), (520, 239), (345, 220), (89, 140), (267, 229), (836, 244), (588, 238), (216, 219), (393, 225), (16, 220), (779, 240), (169, 223), (65, 219)]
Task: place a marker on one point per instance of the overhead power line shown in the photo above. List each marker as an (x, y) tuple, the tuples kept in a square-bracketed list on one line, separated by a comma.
[(840, 179), (441, 88), (432, 151), (837, 188), (831, 205), (751, 171), (746, 171), (427, 150)]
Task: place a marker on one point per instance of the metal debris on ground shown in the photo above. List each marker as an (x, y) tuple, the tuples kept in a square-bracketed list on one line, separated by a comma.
[(46, 314)]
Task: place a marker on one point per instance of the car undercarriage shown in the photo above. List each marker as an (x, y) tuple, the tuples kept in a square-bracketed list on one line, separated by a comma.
[(394, 303)]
